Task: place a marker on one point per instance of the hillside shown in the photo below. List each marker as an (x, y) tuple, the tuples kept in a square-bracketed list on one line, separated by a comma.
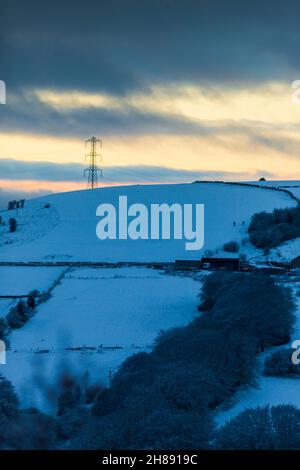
[(93, 310), (67, 229)]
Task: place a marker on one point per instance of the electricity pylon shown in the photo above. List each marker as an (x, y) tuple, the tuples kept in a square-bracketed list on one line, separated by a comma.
[(93, 169)]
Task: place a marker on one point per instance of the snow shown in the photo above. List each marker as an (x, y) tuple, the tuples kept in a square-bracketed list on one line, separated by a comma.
[(19, 280), (105, 307), (271, 390), (126, 307), (67, 230), (292, 185), (34, 221), (96, 306)]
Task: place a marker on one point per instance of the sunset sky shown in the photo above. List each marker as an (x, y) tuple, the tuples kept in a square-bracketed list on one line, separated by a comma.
[(177, 90)]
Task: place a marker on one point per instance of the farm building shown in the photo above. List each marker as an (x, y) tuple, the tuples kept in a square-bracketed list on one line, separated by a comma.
[(221, 263), (232, 264)]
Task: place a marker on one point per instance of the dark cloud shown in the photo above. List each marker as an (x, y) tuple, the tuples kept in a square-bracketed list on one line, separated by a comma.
[(25, 114), (41, 171), (28, 115), (124, 46)]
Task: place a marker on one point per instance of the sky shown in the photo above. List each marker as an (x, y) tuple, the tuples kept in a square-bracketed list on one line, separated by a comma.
[(178, 90)]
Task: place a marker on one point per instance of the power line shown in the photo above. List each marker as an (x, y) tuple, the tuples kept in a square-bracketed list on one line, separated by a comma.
[(93, 168)]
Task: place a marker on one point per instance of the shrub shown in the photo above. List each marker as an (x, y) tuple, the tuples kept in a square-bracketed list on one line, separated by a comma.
[(12, 225), (30, 430), (8, 400), (31, 302), (262, 429), (162, 429), (93, 392), (250, 302), (279, 364), (231, 247), (70, 394), (18, 315), (212, 288), (267, 230), (35, 293), (149, 425), (70, 423)]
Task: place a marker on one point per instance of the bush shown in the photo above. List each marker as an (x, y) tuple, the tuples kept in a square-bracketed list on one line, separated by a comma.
[(212, 288), (267, 230), (139, 427), (249, 302), (162, 429), (31, 302), (12, 225), (70, 394), (30, 430), (71, 422), (262, 429), (8, 400), (225, 361), (35, 293), (279, 364), (231, 247), (19, 315)]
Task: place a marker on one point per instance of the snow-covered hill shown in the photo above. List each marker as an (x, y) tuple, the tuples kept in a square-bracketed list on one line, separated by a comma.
[(67, 229), (291, 185), (109, 306)]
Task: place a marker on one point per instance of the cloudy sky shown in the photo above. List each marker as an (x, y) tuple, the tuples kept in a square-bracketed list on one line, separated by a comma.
[(177, 90)]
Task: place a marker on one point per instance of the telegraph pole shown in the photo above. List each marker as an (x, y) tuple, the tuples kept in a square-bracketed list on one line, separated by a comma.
[(93, 169)]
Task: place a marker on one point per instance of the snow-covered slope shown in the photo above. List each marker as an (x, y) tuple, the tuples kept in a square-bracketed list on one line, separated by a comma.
[(67, 229), (291, 185)]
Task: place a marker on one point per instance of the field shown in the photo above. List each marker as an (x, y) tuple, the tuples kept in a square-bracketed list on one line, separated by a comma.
[(93, 311)]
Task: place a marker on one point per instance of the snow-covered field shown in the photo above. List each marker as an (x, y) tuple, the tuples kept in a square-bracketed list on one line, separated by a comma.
[(67, 230), (21, 280), (124, 307)]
